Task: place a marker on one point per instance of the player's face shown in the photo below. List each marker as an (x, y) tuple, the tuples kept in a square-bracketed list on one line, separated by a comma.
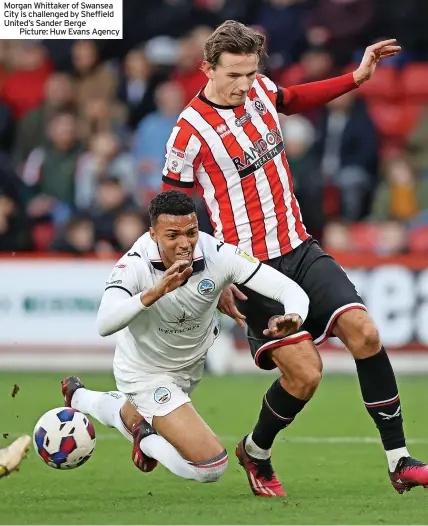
[(233, 77), (176, 237)]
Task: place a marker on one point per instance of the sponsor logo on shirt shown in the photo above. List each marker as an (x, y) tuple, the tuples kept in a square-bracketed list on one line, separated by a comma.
[(176, 160), (206, 286), (246, 256)]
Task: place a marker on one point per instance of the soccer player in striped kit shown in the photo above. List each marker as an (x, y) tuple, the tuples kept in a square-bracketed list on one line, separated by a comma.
[(228, 144)]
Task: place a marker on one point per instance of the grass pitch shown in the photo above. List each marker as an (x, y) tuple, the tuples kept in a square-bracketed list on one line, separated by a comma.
[(329, 461)]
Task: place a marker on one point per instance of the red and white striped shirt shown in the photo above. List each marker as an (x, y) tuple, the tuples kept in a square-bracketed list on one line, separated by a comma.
[(235, 157)]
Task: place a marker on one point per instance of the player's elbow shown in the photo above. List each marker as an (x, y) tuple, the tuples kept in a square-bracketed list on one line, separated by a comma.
[(103, 327)]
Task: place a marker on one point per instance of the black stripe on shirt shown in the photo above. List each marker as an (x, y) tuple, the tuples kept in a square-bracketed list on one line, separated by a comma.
[(252, 275)]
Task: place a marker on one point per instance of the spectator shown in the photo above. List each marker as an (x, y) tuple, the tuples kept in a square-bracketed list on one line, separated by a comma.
[(110, 201), (92, 77), (24, 87), (104, 158), (392, 239), (283, 22), (98, 114), (417, 146), (14, 225), (347, 152), (187, 73), (341, 23), (128, 227), (50, 171), (336, 237), (153, 133), (77, 237), (400, 196), (316, 63), (137, 87), (31, 132), (299, 137)]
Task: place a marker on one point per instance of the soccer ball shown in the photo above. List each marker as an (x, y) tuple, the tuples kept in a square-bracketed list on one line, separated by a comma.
[(64, 438)]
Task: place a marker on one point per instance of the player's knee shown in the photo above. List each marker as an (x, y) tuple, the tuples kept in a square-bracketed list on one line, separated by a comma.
[(370, 336), (212, 469), (303, 373), (365, 340), (308, 380)]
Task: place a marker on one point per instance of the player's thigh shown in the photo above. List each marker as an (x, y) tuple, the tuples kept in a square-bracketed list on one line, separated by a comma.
[(187, 431), (331, 293), (297, 360)]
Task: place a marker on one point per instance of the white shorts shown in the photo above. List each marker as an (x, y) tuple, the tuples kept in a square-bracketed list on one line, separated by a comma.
[(158, 394)]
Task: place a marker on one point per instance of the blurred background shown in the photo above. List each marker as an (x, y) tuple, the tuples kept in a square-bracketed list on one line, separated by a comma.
[(83, 128)]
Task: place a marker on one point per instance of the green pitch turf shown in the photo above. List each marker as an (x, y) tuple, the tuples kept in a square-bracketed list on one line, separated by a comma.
[(333, 475)]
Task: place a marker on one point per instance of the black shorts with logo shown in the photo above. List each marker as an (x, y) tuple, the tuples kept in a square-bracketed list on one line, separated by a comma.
[(330, 293)]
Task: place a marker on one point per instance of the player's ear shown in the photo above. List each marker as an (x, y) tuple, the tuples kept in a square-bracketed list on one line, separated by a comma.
[(153, 235), (207, 69)]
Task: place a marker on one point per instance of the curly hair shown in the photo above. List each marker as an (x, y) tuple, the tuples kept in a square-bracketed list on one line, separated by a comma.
[(171, 202)]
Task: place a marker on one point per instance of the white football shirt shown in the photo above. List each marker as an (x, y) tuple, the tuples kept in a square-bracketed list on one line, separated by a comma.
[(178, 329)]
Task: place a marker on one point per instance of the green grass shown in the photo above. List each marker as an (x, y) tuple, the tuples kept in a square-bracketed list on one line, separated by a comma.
[(339, 483)]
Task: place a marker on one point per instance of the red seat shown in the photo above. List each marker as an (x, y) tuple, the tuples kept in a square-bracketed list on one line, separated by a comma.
[(415, 82), (394, 120), (418, 239), (364, 236), (384, 85), (291, 76)]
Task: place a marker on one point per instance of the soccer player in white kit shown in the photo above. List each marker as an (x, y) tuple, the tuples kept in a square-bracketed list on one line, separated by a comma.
[(161, 299)]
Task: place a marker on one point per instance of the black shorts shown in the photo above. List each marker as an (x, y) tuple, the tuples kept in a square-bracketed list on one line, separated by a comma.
[(330, 293)]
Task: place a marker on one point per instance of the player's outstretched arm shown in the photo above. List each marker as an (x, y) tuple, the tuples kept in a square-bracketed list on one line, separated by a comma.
[(119, 307), (247, 270), (272, 284), (306, 96)]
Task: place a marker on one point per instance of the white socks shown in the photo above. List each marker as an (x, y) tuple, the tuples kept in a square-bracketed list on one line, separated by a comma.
[(254, 450), (394, 455), (157, 447), (105, 407)]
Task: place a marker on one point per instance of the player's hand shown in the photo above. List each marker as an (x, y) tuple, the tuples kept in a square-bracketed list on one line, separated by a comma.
[(282, 326), (227, 303), (374, 54), (173, 278)]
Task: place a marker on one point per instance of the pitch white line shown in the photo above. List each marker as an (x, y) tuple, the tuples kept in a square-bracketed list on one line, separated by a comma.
[(291, 439)]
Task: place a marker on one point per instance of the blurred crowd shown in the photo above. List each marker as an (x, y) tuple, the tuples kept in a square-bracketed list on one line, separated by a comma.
[(83, 124)]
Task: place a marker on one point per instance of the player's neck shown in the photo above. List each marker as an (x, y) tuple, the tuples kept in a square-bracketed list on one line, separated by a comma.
[(211, 95)]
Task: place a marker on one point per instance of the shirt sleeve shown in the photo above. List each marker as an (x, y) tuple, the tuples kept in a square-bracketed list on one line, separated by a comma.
[(272, 284), (240, 267), (125, 275), (306, 96), (183, 157), (121, 301)]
